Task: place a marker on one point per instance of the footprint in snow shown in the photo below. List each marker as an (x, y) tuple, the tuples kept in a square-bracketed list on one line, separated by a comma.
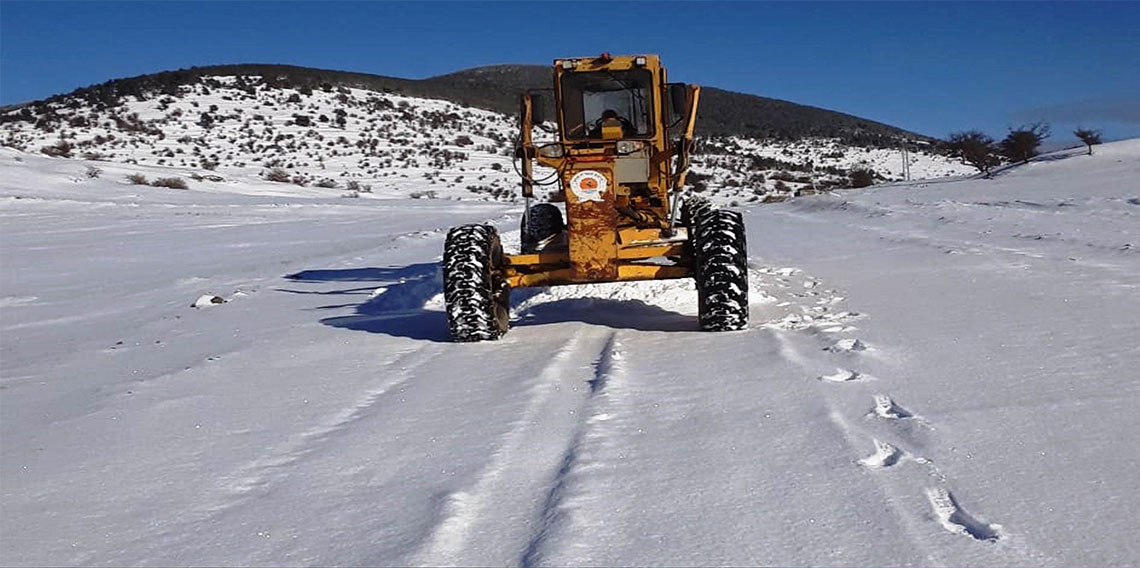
[(842, 376), (207, 300), (887, 408), (846, 345), (956, 520), (886, 455)]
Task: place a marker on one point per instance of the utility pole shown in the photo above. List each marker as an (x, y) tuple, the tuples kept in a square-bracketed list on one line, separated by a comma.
[(906, 160)]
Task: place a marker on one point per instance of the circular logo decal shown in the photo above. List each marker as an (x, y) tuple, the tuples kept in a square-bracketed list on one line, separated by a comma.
[(588, 185)]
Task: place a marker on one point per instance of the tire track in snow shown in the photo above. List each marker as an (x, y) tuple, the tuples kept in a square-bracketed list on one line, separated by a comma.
[(492, 521), (553, 510), (261, 473)]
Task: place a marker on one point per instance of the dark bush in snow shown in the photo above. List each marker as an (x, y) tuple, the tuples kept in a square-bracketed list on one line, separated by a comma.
[(137, 179), (277, 175), (1020, 145), (975, 148), (61, 149), (171, 182), (861, 177)]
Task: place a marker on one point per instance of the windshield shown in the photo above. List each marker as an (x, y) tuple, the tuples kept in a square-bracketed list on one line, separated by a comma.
[(587, 96)]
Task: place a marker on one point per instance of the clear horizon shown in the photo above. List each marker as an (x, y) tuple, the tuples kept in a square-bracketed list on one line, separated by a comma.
[(928, 68)]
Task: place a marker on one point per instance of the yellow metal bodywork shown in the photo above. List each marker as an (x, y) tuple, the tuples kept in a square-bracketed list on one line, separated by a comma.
[(624, 231)]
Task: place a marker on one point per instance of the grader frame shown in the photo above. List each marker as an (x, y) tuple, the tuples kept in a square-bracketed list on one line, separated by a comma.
[(620, 189)]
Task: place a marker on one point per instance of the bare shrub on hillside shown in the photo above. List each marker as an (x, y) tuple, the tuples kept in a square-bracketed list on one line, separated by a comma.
[(137, 179), (93, 172), (327, 183), (61, 149), (170, 182), (861, 177), (276, 174)]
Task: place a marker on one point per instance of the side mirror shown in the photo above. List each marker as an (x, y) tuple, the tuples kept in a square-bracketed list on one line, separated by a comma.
[(679, 97), (537, 109)]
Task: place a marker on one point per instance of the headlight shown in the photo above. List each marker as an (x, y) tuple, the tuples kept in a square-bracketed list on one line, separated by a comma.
[(550, 151), (628, 146)]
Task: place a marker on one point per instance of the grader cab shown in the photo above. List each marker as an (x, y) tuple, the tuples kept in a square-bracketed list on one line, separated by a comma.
[(624, 137)]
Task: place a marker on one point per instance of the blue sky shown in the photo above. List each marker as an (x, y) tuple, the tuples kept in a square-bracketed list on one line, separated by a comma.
[(932, 68)]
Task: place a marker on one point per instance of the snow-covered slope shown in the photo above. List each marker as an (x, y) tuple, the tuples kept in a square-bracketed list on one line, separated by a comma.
[(367, 143), (935, 374)]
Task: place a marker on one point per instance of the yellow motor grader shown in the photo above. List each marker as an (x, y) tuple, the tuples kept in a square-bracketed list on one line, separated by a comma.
[(624, 137)]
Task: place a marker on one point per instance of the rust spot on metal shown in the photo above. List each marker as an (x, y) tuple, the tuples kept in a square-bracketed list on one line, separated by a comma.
[(593, 229)]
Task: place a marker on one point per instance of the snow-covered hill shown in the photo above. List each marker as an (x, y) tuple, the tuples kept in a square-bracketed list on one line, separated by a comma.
[(367, 143), (935, 374)]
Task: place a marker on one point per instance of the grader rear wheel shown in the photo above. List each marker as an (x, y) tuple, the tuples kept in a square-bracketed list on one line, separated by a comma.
[(543, 222), (692, 207), (477, 297)]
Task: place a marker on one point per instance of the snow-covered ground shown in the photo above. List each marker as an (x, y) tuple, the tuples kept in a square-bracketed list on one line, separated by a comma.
[(935, 374)]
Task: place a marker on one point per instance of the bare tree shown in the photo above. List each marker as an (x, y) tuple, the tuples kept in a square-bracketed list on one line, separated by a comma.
[(1020, 145), (1088, 136), (975, 148)]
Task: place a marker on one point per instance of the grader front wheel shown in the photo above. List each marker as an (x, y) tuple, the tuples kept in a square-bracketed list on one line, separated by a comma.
[(477, 297), (721, 269)]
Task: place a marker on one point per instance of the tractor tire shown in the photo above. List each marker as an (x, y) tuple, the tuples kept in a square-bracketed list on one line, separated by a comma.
[(692, 207), (545, 222), (721, 270), (477, 296)]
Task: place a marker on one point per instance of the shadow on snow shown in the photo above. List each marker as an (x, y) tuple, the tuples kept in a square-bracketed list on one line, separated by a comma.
[(399, 297)]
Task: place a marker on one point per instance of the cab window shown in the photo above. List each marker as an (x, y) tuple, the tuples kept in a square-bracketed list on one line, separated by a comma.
[(586, 96)]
